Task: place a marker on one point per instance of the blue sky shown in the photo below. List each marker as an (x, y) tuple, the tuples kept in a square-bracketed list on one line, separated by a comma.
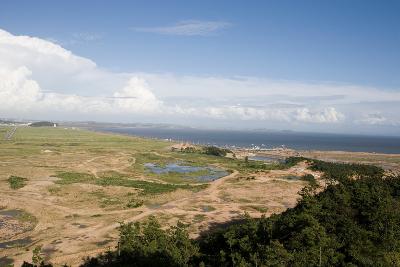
[(333, 45)]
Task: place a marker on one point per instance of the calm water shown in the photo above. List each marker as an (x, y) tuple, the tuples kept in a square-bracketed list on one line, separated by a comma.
[(213, 173), (299, 141)]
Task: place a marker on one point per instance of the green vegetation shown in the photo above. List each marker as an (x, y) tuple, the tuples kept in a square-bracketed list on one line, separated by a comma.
[(134, 203), (258, 208), (75, 177), (354, 222), (146, 187), (255, 165), (342, 172), (26, 217), (42, 124), (309, 178), (199, 218), (16, 182), (148, 245), (216, 151), (115, 179)]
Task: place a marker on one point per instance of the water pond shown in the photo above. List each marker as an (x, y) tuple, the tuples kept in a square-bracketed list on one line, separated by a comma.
[(205, 174), (11, 213), (267, 159), (16, 243)]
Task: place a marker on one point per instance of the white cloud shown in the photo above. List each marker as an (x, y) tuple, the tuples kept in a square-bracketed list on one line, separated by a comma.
[(39, 79), (188, 28), (326, 115), (378, 119), (137, 97), (17, 90)]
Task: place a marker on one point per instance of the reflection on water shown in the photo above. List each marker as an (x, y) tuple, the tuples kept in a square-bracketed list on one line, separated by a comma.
[(266, 159), (16, 243), (213, 173), (11, 213)]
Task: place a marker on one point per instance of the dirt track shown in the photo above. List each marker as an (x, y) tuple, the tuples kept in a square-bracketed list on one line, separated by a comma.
[(69, 233)]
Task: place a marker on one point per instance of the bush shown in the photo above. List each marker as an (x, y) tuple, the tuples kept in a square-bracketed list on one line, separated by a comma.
[(149, 245), (16, 182), (216, 151), (309, 178), (43, 124)]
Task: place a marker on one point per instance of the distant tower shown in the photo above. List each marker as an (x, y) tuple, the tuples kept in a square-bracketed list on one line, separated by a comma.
[(55, 125)]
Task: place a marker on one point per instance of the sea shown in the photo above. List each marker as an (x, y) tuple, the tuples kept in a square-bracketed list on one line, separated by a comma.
[(266, 139)]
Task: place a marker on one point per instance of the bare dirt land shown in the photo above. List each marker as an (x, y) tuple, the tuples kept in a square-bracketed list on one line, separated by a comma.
[(71, 188)]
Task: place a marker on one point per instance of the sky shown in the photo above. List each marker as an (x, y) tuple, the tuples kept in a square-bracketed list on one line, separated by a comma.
[(323, 66)]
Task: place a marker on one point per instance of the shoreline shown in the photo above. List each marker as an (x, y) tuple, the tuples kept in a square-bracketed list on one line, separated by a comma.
[(388, 161), (285, 151), (257, 142)]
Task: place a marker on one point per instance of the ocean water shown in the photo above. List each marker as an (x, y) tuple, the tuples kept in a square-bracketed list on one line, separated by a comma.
[(247, 139)]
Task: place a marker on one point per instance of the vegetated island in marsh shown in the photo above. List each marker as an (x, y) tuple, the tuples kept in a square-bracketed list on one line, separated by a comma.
[(80, 184)]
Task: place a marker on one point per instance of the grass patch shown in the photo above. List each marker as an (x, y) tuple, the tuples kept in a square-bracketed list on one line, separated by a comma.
[(199, 218), (105, 200), (134, 203), (116, 179), (74, 177), (151, 188), (16, 182), (54, 190), (27, 217)]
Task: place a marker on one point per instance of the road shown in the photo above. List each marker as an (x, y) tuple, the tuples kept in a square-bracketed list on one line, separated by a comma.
[(10, 133)]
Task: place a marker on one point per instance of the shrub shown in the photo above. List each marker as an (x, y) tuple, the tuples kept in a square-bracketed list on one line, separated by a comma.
[(16, 182)]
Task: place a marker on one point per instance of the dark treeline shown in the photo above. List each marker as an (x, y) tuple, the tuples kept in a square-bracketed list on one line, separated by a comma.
[(354, 221), (42, 124)]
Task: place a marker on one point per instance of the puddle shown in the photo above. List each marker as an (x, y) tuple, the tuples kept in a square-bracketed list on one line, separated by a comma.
[(11, 213), (172, 167), (103, 243), (4, 261), (16, 243), (154, 206), (79, 225), (266, 159), (207, 208), (213, 173), (292, 177)]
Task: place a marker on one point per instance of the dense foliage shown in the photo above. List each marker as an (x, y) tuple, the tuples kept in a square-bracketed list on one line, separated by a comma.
[(42, 124), (355, 221), (356, 224), (149, 245), (216, 151), (16, 182)]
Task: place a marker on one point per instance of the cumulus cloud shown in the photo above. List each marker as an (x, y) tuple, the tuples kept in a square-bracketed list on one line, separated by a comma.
[(137, 97), (17, 90), (188, 28), (39, 78)]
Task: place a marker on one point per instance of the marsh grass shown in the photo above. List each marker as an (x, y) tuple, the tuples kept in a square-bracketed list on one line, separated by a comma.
[(199, 218), (117, 179), (16, 182), (74, 177)]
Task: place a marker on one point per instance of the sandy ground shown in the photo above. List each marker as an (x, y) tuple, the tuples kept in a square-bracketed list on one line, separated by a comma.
[(72, 225)]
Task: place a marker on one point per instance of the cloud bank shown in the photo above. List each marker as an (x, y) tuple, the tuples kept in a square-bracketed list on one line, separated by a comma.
[(41, 79)]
